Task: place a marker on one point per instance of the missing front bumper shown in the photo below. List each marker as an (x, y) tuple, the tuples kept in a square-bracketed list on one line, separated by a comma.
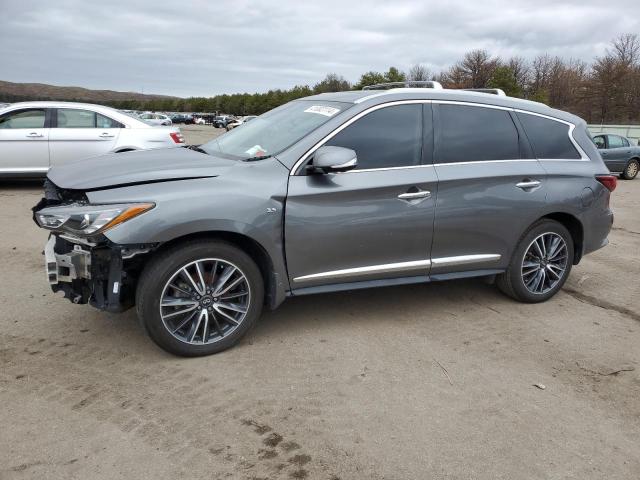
[(88, 273)]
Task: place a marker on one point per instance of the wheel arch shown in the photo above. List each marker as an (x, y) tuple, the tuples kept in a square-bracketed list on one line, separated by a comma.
[(248, 245), (576, 229)]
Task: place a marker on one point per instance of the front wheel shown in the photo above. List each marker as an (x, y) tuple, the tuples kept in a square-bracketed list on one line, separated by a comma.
[(200, 297), (540, 263), (631, 170)]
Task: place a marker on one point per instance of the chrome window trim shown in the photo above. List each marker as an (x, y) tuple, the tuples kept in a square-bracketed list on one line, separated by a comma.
[(514, 160), (583, 156), (371, 269)]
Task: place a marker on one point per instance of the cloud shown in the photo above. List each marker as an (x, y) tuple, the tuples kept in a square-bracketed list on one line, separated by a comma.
[(199, 47)]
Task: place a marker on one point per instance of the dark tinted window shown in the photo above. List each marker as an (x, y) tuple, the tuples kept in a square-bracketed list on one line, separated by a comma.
[(389, 137), (476, 133), (615, 141), (548, 138)]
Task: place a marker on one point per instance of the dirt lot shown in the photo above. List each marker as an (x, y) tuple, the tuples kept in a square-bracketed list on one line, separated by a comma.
[(416, 382)]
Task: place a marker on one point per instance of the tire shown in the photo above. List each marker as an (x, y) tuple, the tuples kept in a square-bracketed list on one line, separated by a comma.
[(164, 278), (631, 170), (524, 282)]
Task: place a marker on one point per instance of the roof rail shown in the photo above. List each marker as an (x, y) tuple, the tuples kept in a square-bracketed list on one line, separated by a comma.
[(492, 91), (406, 84)]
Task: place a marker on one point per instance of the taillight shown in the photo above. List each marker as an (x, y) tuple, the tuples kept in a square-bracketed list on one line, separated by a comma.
[(609, 181), (177, 137)]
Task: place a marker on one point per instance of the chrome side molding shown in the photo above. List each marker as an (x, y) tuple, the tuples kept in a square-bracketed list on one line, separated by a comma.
[(401, 267), (371, 269), (465, 259)]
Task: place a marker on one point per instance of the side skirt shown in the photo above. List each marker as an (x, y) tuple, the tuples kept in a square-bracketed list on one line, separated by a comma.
[(339, 287)]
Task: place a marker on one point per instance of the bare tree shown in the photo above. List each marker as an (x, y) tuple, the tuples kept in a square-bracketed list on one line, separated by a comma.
[(626, 49), (419, 73), (521, 71), (477, 68)]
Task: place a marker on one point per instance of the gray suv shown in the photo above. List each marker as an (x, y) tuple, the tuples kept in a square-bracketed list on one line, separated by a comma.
[(332, 192)]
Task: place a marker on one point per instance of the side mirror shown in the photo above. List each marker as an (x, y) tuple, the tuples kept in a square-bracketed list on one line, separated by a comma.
[(333, 160)]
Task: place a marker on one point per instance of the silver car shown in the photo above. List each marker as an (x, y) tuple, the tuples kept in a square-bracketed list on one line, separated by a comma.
[(35, 136), (332, 192), (156, 119)]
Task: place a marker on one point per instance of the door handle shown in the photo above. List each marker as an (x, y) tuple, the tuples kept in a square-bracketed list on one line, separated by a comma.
[(415, 195), (525, 184), (34, 135), (106, 135)]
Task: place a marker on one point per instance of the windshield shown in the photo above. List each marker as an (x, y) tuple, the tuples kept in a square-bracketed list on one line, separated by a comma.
[(276, 130)]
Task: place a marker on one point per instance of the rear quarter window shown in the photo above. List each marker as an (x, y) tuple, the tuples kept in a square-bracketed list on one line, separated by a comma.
[(548, 138)]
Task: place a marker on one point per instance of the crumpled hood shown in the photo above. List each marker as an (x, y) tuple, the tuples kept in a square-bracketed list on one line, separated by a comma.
[(116, 169)]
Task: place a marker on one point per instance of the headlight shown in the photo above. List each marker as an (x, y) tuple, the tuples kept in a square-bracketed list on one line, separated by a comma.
[(89, 219)]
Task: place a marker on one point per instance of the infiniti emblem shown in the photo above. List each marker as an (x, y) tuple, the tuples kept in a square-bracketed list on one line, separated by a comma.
[(206, 301)]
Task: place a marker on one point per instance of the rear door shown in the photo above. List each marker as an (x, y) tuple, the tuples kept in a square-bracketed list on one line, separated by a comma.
[(81, 133), (24, 146), (371, 223), (490, 187), (617, 153)]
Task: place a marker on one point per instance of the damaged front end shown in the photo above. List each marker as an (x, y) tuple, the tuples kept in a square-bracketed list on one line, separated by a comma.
[(80, 261)]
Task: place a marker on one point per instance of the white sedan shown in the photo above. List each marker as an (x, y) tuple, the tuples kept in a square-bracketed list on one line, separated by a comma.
[(156, 119), (37, 135)]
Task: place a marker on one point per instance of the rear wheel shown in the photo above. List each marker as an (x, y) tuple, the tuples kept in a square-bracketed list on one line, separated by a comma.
[(200, 297), (540, 264), (631, 170)]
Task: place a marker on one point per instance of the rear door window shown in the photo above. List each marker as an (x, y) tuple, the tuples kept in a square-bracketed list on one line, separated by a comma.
[(615, 141), (106, 122), (549, 138), (469, 133), (33, 118), (72, 118)]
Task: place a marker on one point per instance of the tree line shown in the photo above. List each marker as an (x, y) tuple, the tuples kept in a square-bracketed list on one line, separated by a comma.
[(605, 91)]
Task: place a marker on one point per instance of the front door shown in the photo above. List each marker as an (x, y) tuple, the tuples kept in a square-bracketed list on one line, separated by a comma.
[(490, 188), (79, 134), (24, 146), (371, 223)]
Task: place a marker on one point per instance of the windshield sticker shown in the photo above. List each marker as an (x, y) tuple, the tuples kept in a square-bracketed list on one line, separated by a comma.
[(322, 110), (256, 151)]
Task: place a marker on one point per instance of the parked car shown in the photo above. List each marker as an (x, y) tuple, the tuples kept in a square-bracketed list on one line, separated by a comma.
[(240, 121), (619, 154), (179, 118), (156, 119), (222, 121), (37, 135), (332, 192)]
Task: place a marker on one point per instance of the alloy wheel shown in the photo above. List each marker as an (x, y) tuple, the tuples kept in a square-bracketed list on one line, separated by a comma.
[(205, 301), (632, 169), (545, 263)]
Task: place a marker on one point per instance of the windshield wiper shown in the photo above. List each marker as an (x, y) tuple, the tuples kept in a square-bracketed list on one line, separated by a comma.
[(255, 159)]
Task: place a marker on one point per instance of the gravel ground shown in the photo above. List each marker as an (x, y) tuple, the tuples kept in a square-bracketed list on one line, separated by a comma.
[(199, 134), (415, 382)]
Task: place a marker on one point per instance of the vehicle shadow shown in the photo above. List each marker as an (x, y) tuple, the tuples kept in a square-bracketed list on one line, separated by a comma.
[(379, 305)]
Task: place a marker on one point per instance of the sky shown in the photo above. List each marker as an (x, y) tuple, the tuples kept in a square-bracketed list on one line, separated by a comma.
[(204, 48)]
